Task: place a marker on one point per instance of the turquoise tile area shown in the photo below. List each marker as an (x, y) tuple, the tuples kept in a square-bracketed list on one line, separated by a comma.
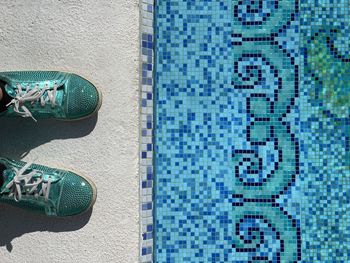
[(325, 130), (251, 133)]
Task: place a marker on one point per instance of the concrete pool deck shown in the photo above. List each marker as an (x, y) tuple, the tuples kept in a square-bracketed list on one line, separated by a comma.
[(99, 40)]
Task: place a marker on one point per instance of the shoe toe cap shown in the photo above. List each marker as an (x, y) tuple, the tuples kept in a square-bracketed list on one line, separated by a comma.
[(77, 195), (83, 98)]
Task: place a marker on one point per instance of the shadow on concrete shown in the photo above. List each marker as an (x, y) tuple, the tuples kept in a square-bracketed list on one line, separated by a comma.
[(17, 138), (15, 222)]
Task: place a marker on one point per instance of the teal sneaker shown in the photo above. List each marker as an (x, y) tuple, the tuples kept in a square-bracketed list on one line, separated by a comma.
[(49, 191), (49, 94)]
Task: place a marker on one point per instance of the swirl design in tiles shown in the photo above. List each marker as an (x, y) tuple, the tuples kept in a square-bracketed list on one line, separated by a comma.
[(253, 71), (261, 236), (254, 12), (250, 16), (266, 163)]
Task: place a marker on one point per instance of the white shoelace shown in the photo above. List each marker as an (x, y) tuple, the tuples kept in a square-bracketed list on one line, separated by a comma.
[(22, 182), (33, 95)]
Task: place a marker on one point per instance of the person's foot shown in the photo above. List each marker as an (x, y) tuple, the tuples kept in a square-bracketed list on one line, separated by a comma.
[(50, 191), (48, 94)]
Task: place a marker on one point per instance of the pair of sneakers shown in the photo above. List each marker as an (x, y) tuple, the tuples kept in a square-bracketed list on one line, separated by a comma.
[(38, 95)]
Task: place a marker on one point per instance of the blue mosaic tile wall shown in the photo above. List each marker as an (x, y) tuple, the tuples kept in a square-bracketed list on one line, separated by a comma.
[(325, 130), (252, 127)]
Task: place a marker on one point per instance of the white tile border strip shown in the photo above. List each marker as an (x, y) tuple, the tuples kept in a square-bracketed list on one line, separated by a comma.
[(146, 130)]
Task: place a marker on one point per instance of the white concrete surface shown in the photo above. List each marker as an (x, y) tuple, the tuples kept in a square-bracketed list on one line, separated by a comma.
[(99, 40)]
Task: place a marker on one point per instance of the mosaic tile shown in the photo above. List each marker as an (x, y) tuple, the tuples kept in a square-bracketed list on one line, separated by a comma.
[(146, 130), (325, 130), (248, 151)]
